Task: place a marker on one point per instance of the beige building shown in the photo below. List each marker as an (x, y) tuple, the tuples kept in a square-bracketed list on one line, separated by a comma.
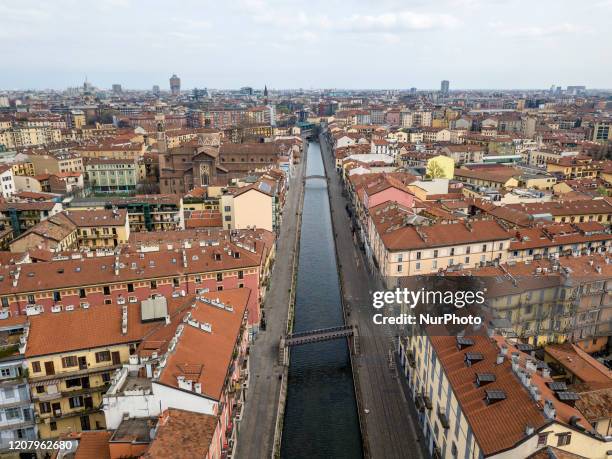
[(399, 250), (482, 397), (55, 163)]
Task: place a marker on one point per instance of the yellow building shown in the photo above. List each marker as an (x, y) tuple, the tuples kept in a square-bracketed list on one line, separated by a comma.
[(23, 168), (574, 167), (100, 228), (71, 356)]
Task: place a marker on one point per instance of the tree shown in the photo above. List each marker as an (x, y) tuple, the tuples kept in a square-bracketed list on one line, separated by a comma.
[(434, 170)]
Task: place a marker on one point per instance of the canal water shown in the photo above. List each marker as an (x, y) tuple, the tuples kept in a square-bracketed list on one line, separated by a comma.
[(321, 412)]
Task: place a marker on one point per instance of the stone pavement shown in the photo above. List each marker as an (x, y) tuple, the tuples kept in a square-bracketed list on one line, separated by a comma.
[(390, 422), (256, 434)]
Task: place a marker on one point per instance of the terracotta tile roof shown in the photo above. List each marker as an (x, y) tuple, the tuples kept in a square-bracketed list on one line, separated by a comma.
[(92, 444), (82, 270), (99, 326), (182, 435), (209, 368), (496, 426), (579, 363), (595, 402), (440, 235), (565, 208), (97, 217)]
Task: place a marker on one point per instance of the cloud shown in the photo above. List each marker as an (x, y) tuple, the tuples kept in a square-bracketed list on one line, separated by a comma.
[(534, 31), (395, 22)]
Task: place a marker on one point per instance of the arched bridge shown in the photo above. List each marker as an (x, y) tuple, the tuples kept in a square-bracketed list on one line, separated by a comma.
[(316, 336)]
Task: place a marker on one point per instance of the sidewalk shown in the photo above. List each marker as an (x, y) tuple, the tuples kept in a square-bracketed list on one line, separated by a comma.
[(256, 433), (391, 431)]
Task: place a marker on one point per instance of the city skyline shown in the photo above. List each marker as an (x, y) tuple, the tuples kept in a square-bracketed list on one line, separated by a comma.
[(475, 45)]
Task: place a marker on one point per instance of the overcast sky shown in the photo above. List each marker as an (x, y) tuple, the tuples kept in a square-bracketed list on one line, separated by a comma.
[(306, 44)]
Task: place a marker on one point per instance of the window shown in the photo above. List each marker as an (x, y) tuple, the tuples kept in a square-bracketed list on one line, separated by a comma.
[(75, 402), (435, 254), (31, 299), (454, 450), (103, 356), (219, 277), (175, 282), (542, 439), (227, 208), (106, 290), (130, 288), (44, 407), (106, 377), (153, 284), (36, 367), (57, 296), (240, 274), (452, 252), (564, 439), (82, 293), (468, 250), (198, 279), (484, 247), (5, 372), (70, 361), (418, 255), (501, 246), (74, 382), (467, 259), (399, 268), (434, 264), (53, 425), (12, 413), (417, 267)]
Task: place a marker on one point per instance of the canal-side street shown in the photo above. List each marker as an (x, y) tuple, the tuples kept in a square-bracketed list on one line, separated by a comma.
[(256, 433), (390, 423)]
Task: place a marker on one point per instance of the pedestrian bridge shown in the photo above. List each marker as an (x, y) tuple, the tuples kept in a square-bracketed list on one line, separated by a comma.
[(319, 335), (314, 176)]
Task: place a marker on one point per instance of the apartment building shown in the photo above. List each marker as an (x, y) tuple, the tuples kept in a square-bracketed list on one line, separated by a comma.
[(69, 372), (16, 408), (56, 162), (7, 182), (401, 250), (21, 216), (208, 262), (114, 150), (556, 240), (575, 167), (114, 175), (478, 396), (155, 212), (55, 234), (167, 371), (552, 300), (595, 210), (100, 228)]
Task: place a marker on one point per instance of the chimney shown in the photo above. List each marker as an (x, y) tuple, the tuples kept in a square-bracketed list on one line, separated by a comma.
[(549, 410)]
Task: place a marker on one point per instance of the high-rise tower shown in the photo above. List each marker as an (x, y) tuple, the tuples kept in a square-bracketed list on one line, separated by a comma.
[(444, 86), (175, 85)]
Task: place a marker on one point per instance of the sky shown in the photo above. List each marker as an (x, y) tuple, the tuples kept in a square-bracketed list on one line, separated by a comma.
[(306, 44)]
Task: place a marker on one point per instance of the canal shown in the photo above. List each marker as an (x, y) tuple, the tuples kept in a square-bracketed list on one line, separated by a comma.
[(321, 412)]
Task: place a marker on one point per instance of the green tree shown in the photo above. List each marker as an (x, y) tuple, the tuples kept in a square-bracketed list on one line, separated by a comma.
[(434, 170)]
